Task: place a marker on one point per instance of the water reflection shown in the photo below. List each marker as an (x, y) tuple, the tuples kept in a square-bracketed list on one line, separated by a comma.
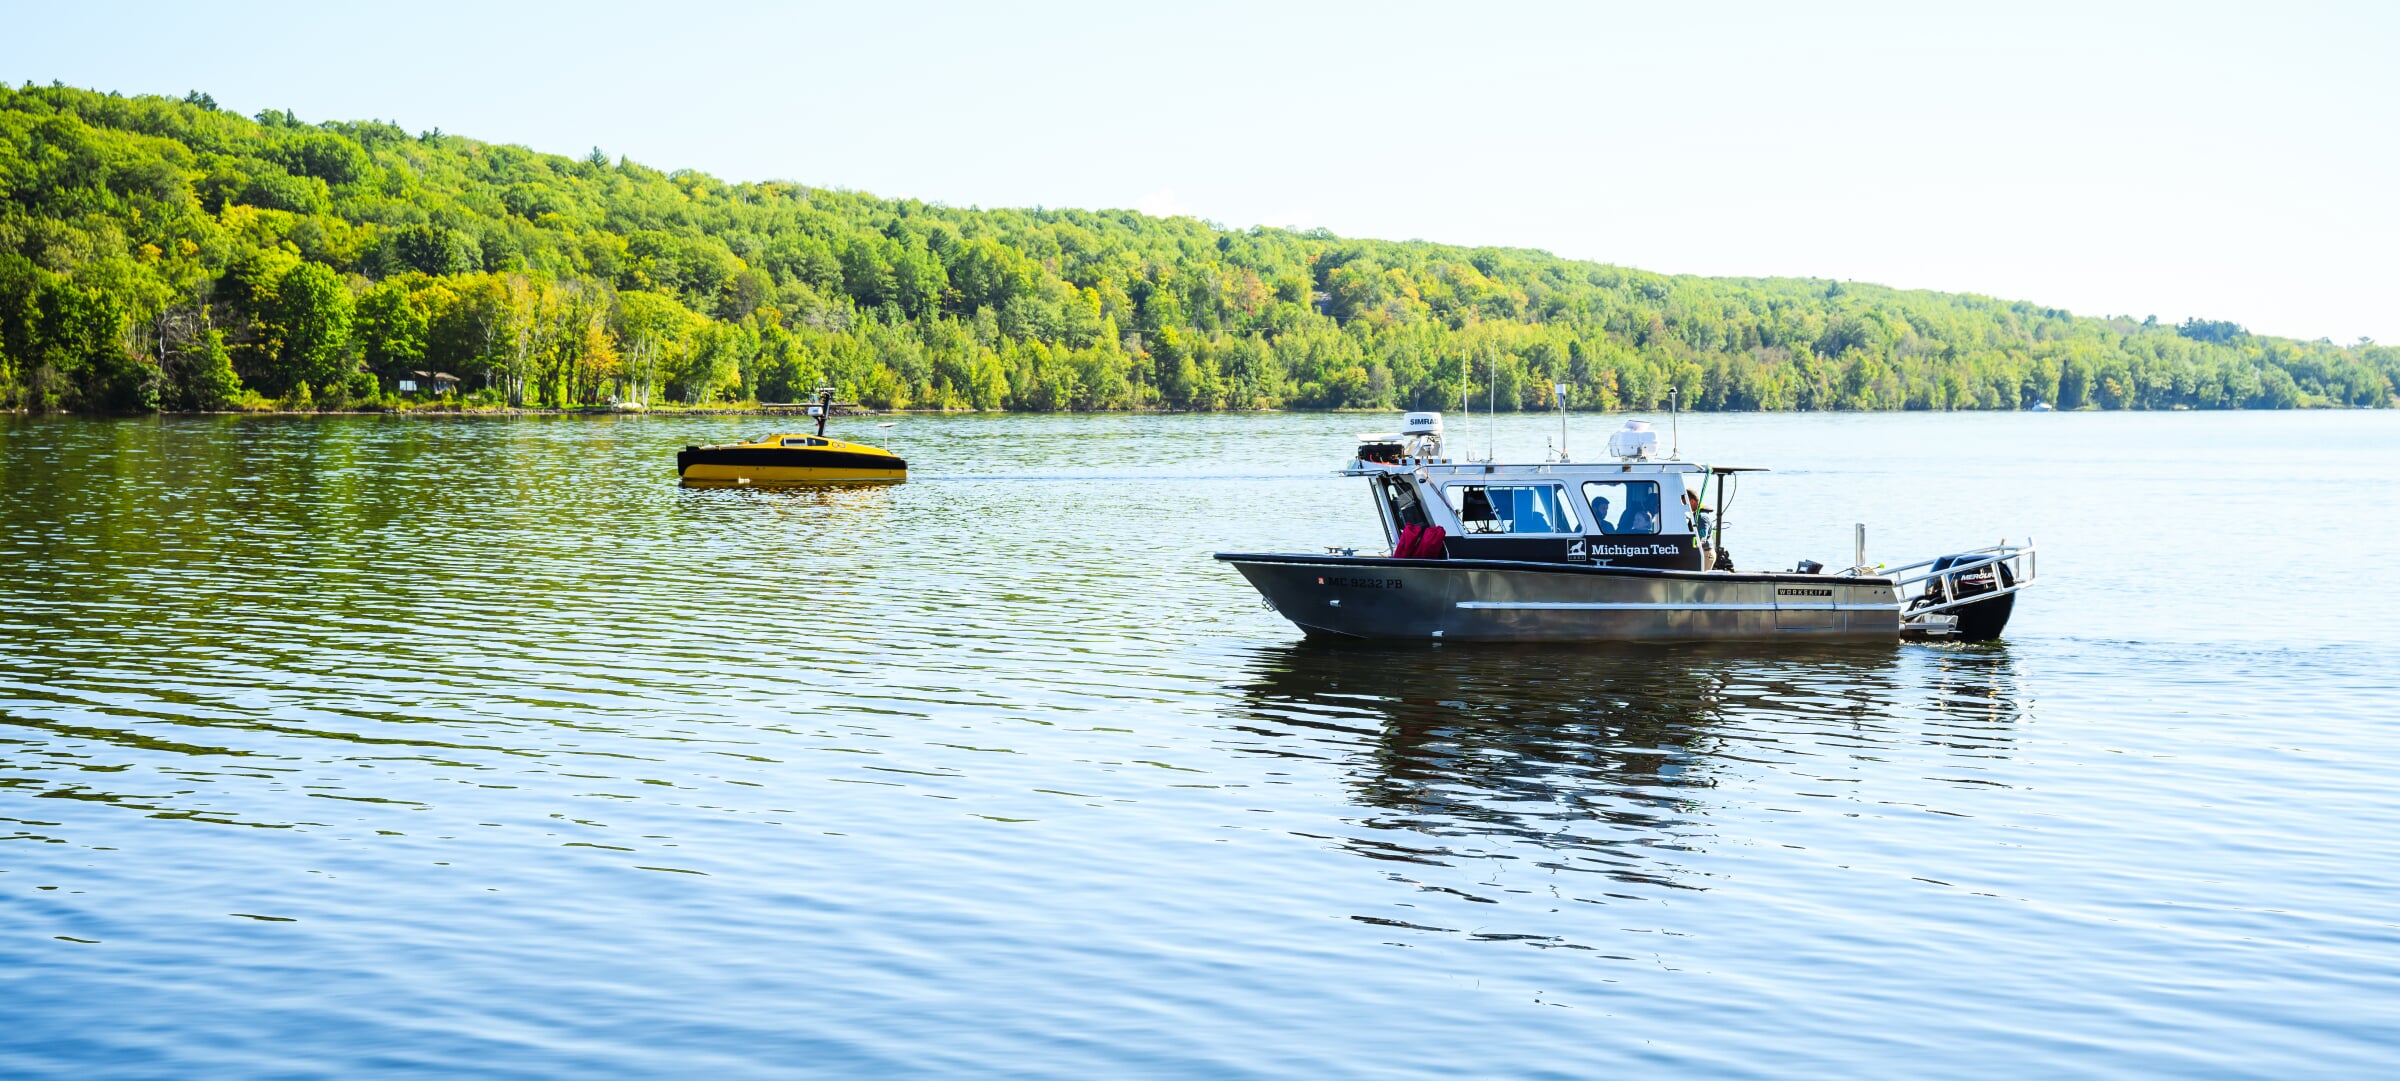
[(1604, 761)]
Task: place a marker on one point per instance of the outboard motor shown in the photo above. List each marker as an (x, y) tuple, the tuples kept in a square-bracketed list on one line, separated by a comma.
[(1980, 621)]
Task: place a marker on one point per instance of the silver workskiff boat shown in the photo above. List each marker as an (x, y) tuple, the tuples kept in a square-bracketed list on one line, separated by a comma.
[(1626, 549)]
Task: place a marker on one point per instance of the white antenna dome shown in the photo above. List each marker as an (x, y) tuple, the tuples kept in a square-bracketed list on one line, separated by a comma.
[(1634, 441)]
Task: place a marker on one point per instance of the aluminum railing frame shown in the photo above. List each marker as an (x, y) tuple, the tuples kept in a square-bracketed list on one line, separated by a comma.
[(2024, 567)]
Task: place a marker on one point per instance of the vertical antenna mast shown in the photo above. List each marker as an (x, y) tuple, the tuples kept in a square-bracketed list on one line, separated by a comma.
[(1561, 388), (1675, 423), (1466, 410), (1491, 412)]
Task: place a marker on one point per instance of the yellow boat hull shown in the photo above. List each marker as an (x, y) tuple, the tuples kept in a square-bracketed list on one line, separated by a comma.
[(789, 459)]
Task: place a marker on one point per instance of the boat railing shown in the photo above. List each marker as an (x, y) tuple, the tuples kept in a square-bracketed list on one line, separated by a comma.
[(2021, 561)]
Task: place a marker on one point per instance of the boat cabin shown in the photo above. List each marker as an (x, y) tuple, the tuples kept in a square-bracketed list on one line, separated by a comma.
[(1627, 512)]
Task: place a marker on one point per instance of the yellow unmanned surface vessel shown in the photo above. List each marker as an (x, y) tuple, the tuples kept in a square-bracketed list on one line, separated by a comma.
[(791, 459)]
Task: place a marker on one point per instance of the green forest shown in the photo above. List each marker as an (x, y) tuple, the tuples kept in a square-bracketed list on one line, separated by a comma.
[(165, 254)]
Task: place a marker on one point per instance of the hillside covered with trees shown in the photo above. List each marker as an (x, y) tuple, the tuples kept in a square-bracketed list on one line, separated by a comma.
[(158, 253)]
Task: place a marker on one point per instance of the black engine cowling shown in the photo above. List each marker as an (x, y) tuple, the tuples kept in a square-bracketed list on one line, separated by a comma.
[(1980, 621)]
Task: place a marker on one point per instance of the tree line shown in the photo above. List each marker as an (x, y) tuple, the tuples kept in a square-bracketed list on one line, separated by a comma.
[(160, 253)]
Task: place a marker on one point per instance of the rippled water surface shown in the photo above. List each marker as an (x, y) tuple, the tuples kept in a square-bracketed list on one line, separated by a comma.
[(371, 746)]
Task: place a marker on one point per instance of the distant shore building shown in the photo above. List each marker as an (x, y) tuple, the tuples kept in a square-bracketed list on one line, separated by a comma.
[(430, 384)]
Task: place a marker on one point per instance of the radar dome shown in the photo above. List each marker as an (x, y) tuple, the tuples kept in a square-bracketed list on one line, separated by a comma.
[(1635, 440)]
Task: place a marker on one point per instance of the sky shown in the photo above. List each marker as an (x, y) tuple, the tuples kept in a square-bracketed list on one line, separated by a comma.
[(2222, 161)]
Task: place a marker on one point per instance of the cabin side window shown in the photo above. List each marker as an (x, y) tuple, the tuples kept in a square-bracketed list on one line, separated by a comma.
[(804, 441), (1511, 508), (1624, 506)]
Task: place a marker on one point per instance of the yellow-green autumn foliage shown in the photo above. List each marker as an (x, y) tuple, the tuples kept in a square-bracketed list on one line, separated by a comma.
[(159, 253)]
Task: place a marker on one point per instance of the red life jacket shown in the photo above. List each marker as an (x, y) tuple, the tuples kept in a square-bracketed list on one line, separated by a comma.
[(1420, 542)]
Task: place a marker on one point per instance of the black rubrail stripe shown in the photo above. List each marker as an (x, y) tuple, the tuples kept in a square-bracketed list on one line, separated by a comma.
[(790, 457)]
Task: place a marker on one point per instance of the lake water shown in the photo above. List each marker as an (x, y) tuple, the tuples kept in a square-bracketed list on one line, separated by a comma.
[(379, 747)]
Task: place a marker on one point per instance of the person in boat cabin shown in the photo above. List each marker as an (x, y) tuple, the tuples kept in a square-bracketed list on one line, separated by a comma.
[(1641, 512)]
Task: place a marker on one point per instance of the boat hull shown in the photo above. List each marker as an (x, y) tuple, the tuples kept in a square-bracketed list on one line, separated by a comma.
[(1487, 600), (727, 467)]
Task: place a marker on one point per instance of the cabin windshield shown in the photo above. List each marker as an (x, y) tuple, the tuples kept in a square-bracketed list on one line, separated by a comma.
[(1624, 506), (1511, 508)]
